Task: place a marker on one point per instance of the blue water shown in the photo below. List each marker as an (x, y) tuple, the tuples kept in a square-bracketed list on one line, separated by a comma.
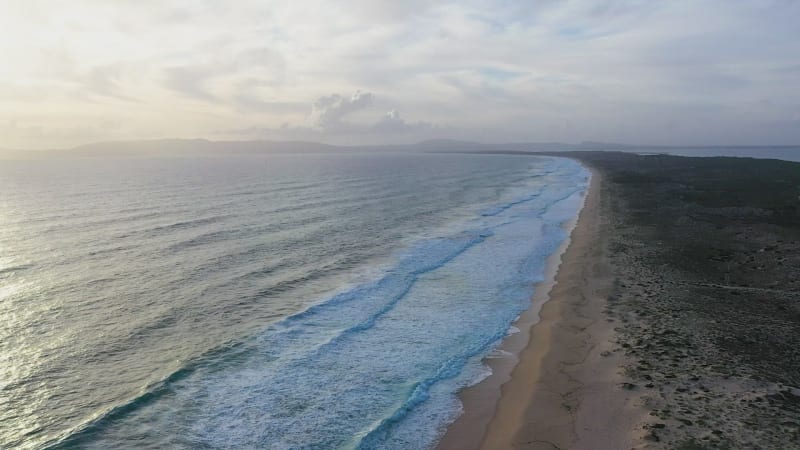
[(281, 301)]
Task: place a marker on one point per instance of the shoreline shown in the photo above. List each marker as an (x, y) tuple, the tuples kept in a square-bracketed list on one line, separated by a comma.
[(673, 320), (558, 382), (479, 400)]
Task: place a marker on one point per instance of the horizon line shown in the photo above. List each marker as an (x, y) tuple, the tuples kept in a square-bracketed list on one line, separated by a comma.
[(449, 141)]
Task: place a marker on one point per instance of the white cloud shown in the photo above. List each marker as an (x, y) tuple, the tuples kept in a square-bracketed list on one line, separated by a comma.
[(330, 121), (328, 111), (391, 122)]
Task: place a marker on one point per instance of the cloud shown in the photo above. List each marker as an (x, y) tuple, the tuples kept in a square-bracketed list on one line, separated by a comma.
[(107, 81), (191, 81), (328, 111), (391, 122), (244, 69), (328, 120), (60, 132), (328, 115)]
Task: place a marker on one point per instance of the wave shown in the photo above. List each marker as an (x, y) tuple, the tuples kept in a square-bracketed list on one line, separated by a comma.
[(322, 216), (499, 209), (162, 229), (84, 432), (411, 278), (14, 269), (376, 437), (289, 325)]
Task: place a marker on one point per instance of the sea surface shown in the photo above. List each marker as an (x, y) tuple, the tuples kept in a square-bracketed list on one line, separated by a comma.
[(263, 301)]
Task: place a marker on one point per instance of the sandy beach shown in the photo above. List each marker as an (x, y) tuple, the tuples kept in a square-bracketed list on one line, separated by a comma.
[(558, 386)]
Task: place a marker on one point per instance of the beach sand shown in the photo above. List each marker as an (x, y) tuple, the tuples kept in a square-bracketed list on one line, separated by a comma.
[(558, 386)]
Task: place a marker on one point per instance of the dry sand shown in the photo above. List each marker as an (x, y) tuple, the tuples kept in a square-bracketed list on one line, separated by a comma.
[(564, 389)]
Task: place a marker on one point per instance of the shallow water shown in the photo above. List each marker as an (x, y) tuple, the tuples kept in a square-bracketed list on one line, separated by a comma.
[(278, 301)]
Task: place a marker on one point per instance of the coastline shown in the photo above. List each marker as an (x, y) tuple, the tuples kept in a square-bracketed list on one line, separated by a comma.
[(673, 321), (557, 385)]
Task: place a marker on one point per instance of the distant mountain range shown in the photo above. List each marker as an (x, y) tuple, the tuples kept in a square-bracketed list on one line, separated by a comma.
[(204, 147)]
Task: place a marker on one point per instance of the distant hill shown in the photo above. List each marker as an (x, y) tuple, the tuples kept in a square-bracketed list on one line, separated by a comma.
[(445, 145), (204, 147)]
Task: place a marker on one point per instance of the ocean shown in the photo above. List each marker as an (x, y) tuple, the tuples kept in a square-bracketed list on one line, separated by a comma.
[(276, 301)]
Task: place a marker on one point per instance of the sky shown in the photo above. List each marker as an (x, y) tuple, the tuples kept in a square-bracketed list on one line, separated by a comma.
[(671, 72)]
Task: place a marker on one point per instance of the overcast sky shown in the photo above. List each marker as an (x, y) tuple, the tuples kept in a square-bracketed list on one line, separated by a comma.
[(374, 71)]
